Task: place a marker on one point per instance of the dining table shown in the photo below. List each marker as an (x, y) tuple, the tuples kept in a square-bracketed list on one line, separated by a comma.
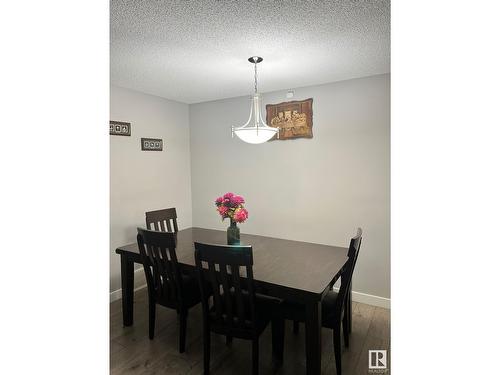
[(296, 271)]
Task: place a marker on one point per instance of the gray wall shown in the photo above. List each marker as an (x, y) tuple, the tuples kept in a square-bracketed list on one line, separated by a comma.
[(316, 190), (140, 180)]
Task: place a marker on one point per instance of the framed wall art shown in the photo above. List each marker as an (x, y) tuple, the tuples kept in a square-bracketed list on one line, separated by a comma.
[(119, 128), (294, 119), (151, 144)]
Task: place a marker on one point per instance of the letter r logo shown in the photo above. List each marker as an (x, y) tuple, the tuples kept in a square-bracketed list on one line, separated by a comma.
[(377, 359)]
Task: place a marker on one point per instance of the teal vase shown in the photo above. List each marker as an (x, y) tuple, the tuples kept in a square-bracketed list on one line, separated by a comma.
[(233, 234)]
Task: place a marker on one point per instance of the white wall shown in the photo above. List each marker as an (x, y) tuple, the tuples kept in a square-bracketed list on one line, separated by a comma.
[(316, 190), (145, 180)]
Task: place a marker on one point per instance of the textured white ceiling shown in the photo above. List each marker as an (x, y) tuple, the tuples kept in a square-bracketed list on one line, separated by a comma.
[(195, 51)]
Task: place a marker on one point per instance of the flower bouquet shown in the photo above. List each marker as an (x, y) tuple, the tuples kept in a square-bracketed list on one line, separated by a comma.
[(231, 206)]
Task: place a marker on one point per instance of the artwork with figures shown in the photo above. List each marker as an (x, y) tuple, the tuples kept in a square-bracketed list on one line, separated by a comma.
[(294, 119)]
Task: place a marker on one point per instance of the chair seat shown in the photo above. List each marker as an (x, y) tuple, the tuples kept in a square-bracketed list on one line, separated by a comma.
[(264, 310), (191, 292), (297, 312)]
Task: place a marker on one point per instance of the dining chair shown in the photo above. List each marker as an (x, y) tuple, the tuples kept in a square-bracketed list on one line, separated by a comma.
[(334, 311), (348, 306), (235, 309), (167, 285), (162, 220), (354, 243)]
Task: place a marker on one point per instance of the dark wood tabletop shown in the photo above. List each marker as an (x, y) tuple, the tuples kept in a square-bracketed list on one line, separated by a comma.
[(297, 265), (300, 272)]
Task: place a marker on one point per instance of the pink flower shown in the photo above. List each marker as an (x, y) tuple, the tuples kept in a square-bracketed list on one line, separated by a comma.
[(222, 210), (231, 205), (236, 200), (240, 215), (228, 196)]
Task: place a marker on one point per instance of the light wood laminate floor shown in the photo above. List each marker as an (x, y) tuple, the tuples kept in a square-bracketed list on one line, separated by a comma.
[(133, 353)]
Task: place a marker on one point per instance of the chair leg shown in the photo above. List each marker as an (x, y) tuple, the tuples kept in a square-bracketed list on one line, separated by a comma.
[(278, 338), (345, 329), (206, 351), (349, 316), (337, 348), (255, 356), (182, 331), (152, 318), (229, 340), (295, 327)]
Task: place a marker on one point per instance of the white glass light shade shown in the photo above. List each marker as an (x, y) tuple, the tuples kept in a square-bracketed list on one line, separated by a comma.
[(255, 130), (255, 135)]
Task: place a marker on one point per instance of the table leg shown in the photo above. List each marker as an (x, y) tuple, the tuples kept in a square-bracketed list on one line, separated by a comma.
[(313, 338), (127, 270)]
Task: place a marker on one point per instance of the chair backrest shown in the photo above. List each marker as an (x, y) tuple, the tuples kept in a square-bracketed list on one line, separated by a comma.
[(355, 243), (159, 259), (162, 220), (348, 271), (233, 305)]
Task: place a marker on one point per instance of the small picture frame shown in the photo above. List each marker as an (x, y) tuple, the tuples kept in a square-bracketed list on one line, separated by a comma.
[(151, 144), (119, 128)]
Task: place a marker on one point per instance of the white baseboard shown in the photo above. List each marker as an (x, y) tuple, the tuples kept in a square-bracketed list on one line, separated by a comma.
[(370, 299), (139, 283)]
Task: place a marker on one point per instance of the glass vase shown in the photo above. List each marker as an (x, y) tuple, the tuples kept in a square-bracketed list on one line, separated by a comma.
[(233, 234)]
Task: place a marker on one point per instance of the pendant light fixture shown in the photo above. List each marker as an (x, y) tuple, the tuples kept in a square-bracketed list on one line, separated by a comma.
[(255, 130)]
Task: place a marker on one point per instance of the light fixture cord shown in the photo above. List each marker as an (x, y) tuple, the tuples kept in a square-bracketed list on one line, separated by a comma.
[(255, 65)]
